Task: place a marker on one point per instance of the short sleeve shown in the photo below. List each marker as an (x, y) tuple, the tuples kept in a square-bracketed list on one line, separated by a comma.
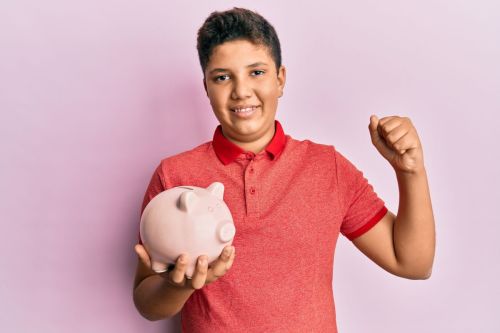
[(361, 206), (156, 186)]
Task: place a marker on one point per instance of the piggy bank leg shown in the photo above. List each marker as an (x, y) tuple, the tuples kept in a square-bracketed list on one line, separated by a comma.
[(159, 267), (190, 270)]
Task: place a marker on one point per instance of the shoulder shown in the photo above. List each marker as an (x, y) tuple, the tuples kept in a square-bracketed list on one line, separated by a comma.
[(310, 148), (187, 166), (323, 156), (195, 155)]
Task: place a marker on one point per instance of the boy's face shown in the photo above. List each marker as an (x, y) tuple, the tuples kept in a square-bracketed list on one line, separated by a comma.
[(243, 87)]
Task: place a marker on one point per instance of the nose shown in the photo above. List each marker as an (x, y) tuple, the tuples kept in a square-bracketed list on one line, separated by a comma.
[(241, 89)]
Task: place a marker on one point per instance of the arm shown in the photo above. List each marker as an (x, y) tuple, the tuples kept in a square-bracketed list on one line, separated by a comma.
[(404, 245), (160, 296)]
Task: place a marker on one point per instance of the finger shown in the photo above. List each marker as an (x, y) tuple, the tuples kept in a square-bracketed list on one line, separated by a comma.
[(219, 267), (377, 139), (170, 268), (231, 260), (386, 119), (177, 275), (143, 255), (395, 134), (389, 125), (405, 143), (374, 121), (200, 274)]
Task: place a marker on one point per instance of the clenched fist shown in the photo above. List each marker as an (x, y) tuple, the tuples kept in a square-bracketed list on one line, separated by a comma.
[(397, 141)]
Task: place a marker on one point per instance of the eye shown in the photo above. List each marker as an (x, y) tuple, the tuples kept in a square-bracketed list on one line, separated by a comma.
[(258, 72), (221, 78)]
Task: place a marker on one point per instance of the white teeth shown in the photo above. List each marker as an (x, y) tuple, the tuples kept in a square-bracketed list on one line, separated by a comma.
[(245, 110)]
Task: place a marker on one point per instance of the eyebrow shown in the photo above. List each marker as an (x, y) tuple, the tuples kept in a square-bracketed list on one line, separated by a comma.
[(218, 70)]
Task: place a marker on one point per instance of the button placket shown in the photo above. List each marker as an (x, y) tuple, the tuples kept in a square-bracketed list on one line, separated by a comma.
[(250, 187)]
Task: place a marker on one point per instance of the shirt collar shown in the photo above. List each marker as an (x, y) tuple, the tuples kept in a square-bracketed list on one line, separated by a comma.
[(227, 151)]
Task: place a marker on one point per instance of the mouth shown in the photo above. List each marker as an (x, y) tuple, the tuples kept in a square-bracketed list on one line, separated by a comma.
[(244, 109)]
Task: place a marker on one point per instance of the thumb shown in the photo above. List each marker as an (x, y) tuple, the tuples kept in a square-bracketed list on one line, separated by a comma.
[(377, 139), (373, 127), (142, 254)]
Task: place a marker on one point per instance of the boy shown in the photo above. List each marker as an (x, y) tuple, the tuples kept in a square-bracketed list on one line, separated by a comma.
[(289, 199)]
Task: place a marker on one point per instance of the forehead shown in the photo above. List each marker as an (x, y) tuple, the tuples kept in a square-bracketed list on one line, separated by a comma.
[(239, 53)]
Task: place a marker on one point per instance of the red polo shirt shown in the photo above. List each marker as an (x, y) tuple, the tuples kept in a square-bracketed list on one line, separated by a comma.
[(289, 203)]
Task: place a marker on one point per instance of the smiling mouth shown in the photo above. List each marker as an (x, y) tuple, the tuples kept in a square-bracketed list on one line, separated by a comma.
[(247, 109)]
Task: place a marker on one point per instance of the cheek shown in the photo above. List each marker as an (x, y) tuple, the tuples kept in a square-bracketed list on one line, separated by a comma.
[(217, 97), (269, 93)]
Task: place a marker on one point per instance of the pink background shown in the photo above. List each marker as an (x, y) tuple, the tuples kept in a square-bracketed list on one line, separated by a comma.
[(93, 94)]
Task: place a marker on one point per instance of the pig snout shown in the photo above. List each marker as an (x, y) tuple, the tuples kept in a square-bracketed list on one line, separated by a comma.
[(225, 231)]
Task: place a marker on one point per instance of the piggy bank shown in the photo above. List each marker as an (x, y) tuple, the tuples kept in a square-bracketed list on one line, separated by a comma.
[(186, 219)]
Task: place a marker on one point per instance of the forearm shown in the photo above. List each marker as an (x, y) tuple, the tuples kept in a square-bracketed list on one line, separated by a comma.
[(155, 299), (414, 231)]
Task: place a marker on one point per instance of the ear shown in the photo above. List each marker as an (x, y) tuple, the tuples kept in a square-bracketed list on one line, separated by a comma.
[(187, 200), (216, 189), (205, 86), (281, 79)]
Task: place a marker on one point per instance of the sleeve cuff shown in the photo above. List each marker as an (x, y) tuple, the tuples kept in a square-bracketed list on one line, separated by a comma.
[(368, 225)]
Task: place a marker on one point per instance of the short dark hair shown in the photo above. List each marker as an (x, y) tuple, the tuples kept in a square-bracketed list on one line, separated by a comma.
[(233, 24)]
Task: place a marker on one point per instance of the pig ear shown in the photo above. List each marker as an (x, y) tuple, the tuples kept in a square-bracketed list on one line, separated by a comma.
[(216, 189), (187, 201)]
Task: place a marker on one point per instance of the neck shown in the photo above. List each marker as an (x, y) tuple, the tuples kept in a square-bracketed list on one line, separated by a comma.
[(255, 146)]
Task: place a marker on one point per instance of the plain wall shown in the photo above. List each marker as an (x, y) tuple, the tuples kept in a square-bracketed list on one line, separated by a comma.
[(93, 94)]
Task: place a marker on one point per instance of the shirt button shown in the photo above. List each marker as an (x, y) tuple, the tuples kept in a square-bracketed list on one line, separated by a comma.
[(249, 156), (251, 170), (252, 190)]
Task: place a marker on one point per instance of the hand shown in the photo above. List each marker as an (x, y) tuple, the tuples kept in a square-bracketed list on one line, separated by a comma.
[(397, 141), (203, 274)]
